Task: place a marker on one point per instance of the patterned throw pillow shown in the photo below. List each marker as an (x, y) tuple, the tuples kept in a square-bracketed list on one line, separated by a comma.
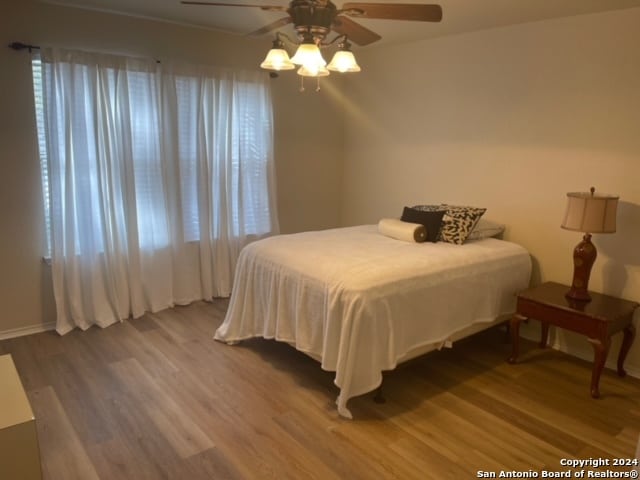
[(458, 221)]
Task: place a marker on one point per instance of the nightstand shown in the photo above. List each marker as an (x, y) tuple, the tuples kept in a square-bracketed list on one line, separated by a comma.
[(598, 319)]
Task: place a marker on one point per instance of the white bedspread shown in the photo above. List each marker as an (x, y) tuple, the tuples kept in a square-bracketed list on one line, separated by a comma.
[(358, 300)]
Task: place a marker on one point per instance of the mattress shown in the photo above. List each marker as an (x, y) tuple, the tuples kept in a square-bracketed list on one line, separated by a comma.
[(360, 302)]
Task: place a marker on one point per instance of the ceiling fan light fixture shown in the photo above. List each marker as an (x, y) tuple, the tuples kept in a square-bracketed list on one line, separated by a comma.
[(305, 71), (314, 20), (277, 59), (344, 61), (308, 54)]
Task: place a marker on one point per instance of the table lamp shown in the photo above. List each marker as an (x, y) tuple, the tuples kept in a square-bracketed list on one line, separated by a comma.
[(587, 212)]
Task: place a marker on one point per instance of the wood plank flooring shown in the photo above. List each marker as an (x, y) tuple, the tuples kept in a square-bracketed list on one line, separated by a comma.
[(158, 398)]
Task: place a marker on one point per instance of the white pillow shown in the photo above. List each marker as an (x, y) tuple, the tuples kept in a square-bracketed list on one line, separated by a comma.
[(409, 232), (486, 229)]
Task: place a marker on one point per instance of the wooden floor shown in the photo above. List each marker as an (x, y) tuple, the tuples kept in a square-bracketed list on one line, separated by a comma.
[(157, 398)]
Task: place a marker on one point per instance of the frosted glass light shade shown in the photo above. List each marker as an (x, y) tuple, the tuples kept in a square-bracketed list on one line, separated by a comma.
[(343, 61), (590, 212), (313, 71), (277, 59), (308, 54)]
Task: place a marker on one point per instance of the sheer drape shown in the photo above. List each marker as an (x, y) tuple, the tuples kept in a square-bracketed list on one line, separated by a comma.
[(158, 176)]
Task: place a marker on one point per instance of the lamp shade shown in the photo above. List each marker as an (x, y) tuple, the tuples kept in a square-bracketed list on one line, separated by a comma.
[(590, 212), (343, 61), (308, 54), (313, 71), (277, 59)]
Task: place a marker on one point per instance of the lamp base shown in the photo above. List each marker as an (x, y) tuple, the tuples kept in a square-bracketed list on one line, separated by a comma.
[(584, 256)]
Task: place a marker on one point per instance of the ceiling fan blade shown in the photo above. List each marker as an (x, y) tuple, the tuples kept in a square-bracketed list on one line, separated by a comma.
[(394, 11), (270, 8), (356, 32), (272, 26)]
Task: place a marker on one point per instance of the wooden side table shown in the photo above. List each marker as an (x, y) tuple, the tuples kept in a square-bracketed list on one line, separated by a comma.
[(598, 319)]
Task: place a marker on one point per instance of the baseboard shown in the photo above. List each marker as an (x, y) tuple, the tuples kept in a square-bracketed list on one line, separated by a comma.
[(586, 354), (30, 330)]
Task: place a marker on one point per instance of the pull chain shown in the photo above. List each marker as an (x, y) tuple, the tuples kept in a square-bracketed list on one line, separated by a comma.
[(302, 89)]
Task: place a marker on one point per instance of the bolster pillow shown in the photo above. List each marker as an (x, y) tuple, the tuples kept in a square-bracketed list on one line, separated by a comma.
[(409, 232)]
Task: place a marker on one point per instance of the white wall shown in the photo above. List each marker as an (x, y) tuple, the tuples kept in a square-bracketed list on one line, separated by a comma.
[(308, 139), (309, 133), (509, 119)]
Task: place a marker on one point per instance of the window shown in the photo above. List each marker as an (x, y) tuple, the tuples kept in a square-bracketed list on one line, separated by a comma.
[(42, 149), (154, 178), (191, 149)]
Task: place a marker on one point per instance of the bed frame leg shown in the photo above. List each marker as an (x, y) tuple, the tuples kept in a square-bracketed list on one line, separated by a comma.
[(379, 397)]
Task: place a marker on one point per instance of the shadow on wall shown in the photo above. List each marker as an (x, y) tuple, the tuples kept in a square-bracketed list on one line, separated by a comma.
[(621, 248), (536, 272)]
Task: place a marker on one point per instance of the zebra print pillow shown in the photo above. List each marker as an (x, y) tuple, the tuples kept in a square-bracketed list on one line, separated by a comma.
[(458, 221)]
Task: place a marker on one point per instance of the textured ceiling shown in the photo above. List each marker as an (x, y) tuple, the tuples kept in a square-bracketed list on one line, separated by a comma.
[(458, 15)]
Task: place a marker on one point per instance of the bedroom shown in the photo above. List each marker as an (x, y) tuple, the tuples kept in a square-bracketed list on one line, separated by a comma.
[(528, 112)]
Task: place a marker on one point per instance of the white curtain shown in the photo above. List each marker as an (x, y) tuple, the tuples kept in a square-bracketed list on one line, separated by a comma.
[(158, 176)]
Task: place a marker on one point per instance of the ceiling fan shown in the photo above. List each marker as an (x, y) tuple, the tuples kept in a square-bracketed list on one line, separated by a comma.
[(316, 18)]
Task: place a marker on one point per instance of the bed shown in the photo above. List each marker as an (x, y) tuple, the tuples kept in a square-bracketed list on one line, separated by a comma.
[(361, 303)]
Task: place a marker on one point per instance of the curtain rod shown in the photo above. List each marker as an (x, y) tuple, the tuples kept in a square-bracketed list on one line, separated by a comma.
[(23, 46)]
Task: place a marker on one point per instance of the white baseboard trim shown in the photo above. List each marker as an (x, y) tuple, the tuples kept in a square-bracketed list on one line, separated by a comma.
[(30, 330), (587, 355)]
